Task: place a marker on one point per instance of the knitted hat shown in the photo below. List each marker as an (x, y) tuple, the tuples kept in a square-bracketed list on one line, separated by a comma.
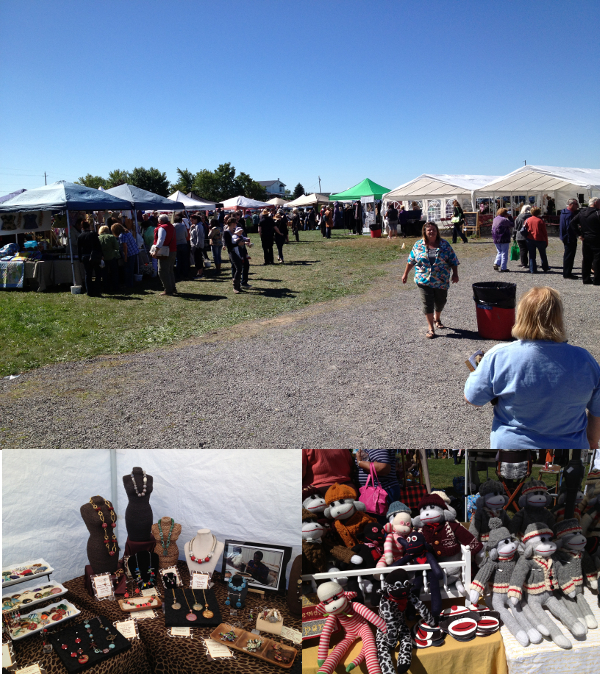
[(397, 507), (432, 499), (566, 527), (338, 491), (491, 487), (536, 529), (497, 532), (307, 515), (442, 494), (533, 485)]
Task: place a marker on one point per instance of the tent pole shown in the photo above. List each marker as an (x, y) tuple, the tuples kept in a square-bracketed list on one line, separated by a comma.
[(113, 478), (70, 245)]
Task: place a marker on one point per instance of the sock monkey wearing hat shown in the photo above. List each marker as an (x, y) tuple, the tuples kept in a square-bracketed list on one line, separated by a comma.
[(536, 581), (398, 526), (579, 564), (534, 502), (490, 503), (497, 571)]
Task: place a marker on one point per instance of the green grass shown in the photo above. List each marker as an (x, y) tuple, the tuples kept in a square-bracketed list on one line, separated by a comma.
[(41, 328)]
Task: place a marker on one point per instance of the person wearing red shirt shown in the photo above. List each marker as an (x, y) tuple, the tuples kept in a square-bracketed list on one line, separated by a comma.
[(537, 239), (323, 467)]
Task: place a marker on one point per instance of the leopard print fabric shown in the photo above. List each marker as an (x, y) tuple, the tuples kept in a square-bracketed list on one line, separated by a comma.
[(398, 632)]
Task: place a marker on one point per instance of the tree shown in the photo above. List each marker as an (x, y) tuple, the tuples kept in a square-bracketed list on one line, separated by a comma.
[(93, 181), (185, 182), (250, 188), (117, 177), (150, 179), (298, 191), (216, 185)]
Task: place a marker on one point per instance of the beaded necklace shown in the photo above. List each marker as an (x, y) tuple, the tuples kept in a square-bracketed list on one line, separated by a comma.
[(199, 560), (113, 524), (138, 575), (162, 540), (135, 485)]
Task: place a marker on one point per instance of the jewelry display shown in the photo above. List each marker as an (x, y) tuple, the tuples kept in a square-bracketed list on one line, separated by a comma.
[(228, 636), (236, 590), (190, 616), (90, 642), (135, 485), (197, 606), (280, 654), (253, 645), (13, 575), (176, 605), (33, 596), (141, 583), (207, 613), (209, 555), (162, 540), (21, 626), (113, 524), (258, 647)]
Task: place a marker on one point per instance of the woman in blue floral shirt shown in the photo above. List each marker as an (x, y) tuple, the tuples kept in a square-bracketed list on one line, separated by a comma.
[(433, 258)]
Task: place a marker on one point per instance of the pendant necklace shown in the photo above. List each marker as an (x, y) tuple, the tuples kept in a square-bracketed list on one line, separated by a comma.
[(135, 485), (113, 524), (196, 606), (201, 560), (190, 616), (138, 575), (207, 613), (176, 605), (162, 540)]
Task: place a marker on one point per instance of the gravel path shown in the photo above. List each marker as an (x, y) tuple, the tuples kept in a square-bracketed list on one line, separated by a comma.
[(352, 373)]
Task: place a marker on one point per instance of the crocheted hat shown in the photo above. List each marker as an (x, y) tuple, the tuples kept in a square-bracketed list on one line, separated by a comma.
[(536, 529), (397, 507), (533, 485), (491, 487), (566, 527), (442, 494), (432, 499), (338, 491), (497, 532)]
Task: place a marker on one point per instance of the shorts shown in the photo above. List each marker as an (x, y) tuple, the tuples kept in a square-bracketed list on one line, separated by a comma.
[(432, 298), (393, 226)]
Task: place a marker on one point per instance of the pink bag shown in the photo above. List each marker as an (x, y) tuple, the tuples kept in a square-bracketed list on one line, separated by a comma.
[(374, 498)]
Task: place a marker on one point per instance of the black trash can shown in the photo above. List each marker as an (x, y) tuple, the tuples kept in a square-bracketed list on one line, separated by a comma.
[(495, 303)]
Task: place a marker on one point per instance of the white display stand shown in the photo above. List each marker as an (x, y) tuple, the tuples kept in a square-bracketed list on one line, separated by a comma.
[(205, 567), (548, 658)]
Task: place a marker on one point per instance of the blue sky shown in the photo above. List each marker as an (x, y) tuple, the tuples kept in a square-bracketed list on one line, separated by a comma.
[(385, 89)]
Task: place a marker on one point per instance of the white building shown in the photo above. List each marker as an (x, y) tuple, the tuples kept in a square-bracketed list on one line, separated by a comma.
[(275, 187)]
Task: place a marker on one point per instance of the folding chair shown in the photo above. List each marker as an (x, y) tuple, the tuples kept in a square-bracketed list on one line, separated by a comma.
[(513, 467)]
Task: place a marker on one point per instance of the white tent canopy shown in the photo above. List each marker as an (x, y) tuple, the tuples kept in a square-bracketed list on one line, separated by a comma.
[(278, 201), (238, 494), (243, 202), (189, 203), (309, 200), (436, 192), (559, 182)]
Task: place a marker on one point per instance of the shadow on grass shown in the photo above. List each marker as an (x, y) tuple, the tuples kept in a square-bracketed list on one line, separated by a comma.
[(303, 263), (273, 292), (268, 280), (200, 297)]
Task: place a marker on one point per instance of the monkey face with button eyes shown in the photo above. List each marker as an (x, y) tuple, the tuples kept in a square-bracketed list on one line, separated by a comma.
[(543, 545), (314, 503), (343, 508), (312, 531)]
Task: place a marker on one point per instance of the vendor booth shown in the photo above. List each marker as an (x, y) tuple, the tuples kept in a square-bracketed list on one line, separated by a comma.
[(367, 195), (241, 203), (189, 203), (365, 188), (142, 561), (35, 211), (307, 200), (278, 201)]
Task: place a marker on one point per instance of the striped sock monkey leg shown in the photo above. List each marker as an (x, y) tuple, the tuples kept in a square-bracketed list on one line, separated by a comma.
[(336, 655), (369, 649)]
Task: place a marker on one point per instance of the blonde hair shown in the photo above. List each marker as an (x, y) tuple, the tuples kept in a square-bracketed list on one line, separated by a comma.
[(104, 230), (540, 316)]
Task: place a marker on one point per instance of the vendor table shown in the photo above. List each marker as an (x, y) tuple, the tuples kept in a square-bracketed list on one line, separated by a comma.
[(48, 273), (29, 650), (177, 655), (548, 658)]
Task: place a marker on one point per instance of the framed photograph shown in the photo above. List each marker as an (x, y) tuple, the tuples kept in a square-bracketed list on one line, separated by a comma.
[(261, 563)]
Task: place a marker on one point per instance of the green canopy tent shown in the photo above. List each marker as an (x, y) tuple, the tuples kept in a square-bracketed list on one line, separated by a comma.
[(366, 188)]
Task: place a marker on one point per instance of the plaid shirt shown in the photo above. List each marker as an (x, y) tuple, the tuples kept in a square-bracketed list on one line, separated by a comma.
[(132, 248), (438, 274)]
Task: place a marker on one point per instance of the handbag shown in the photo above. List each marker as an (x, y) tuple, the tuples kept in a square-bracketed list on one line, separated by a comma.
[(455, 220), (515, 252), (163, 251), (374, 498)]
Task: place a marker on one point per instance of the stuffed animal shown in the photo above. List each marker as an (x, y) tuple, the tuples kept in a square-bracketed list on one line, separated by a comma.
[(490, 503), (579, 564), (590, 507), (314, 502), (419, 551), (559, 510), (501, 546), (537, 575), (398, 526), (346, 512), (534, 502), (354, 618), (437, 525), (396, 594), (370, 549)]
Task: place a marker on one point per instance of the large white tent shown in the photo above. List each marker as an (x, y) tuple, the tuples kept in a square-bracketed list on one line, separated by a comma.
[(309, 200), (436, 192), (278, 201), (560, 183), (243, 495), (243, 202), (189, 203)]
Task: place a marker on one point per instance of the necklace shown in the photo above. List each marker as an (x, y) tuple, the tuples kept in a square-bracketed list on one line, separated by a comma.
[(113, 524), (207, 612), (190, 616), (135, 485), (176, 605), (162, 540), (199, 560), (239, 588), (138, 575), (197, 606)]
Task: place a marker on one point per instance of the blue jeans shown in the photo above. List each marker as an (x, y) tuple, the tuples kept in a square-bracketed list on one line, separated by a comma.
[(532, 246), (216, 251), (502, 255), (128, 270)]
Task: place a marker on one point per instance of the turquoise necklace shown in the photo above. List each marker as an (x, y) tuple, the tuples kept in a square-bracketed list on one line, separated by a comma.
[(162, 540)]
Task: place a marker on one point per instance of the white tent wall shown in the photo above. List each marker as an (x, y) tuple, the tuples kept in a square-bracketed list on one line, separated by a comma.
[(246, 495)]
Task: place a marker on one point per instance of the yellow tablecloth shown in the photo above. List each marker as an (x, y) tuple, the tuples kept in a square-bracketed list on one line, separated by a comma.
[(482, 655)]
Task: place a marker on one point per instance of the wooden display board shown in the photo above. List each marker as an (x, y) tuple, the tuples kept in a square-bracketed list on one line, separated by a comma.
[(471, 223)]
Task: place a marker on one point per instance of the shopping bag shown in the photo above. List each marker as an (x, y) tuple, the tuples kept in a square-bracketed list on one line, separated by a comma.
[(515, 253), (374, 498)]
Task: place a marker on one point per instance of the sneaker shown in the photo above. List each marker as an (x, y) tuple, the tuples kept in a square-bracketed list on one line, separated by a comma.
[(496, 267), (573, 276)]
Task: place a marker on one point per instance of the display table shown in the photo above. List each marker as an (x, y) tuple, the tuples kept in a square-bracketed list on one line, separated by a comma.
[(29, 650), (46, 273), (178, 655), (548, 658)]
